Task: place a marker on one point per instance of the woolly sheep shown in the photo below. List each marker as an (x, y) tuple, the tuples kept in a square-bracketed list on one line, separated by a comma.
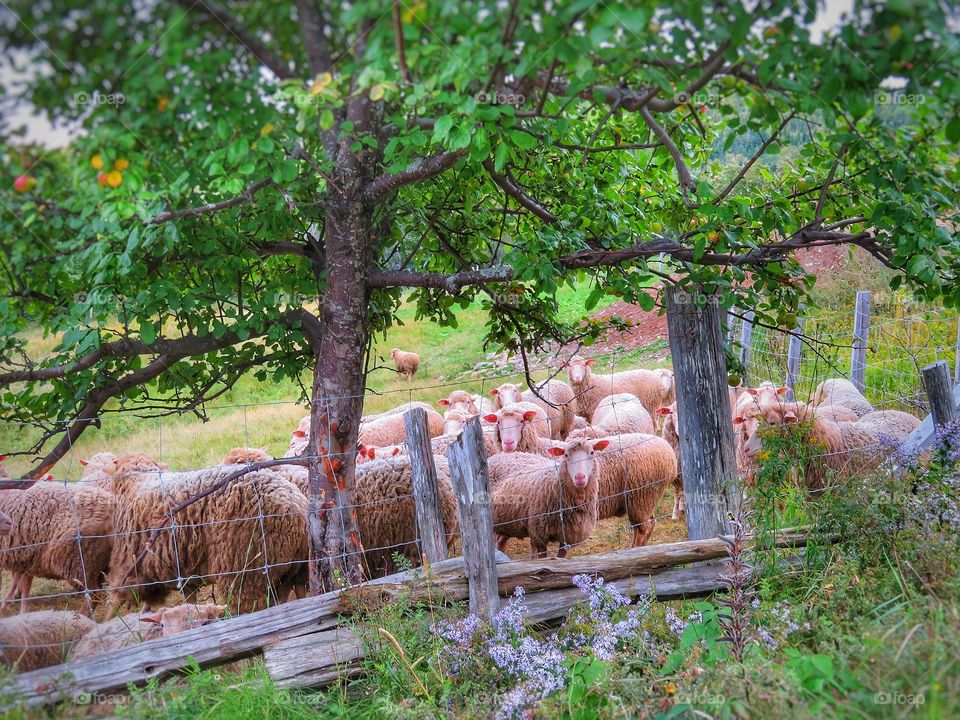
[(506, 394), (759, 399), (406, 363), (386, 517), (516, 428), (634, 472), (837, 391), (505, 465), (245, 455), (617, 414), (225, 538), (453, 421), (892, 423), (467, 403), (557, 503), (46, 519), (557, 402), (654, 388), (35, 640), (669, 431), (391, 429), (126, 630)]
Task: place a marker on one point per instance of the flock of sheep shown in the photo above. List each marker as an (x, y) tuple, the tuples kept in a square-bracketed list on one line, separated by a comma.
[(560, 458)]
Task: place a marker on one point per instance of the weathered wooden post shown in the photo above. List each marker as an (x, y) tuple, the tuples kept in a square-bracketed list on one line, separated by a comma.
[(956, 362), (703, 409), (746, 344), (471, 484), (426, 491), (861, 333), (794, 348), (936, 381)]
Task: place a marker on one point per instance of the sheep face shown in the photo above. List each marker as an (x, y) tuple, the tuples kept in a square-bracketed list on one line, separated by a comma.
[(184, 617), (578, 456), (507, 394), (748, 427), (578, 369), (510, 427), (6, 524), (460, 401), (453, 422)]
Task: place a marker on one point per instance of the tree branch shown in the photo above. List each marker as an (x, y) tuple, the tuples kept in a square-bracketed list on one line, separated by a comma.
[(756, 156), (513, 189), (422, 169), (398, 42), (686, 181), (245, 196), (314, 40)]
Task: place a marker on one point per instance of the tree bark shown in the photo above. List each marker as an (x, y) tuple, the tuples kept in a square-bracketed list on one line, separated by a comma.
[(336, 552)]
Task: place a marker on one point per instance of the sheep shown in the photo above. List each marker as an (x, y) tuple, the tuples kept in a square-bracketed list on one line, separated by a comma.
[(226, 537), (506, 465), (892, 423), (765, 395), (465, 402), (391, 429), (47, 519), (453, 422), (386, 517), (846, 446), (126, 630), (557, 402), (95, 470), (4, 473), (399, 410), (506, 394), (557, 503), (36, 640), (516, 428), (654, 388), (617, 414), (837, 391), (245, 455), (634, 472), (579, 423), (669, 431), (406, 363)]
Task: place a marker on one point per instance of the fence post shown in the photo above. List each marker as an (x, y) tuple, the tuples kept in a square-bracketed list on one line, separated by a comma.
[(471, 484), (703, 410), (956, 361), (936, 381), (426, 491), (861, 333), (794, 348), (746, 344)]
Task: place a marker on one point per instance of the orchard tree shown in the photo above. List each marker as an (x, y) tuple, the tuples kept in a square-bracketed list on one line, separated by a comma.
[(255, 187)]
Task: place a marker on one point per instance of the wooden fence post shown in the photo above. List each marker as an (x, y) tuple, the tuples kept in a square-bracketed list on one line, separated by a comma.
[(794, 348), (471, 484), (703, 409), (426, 491), (861, 333), (936, 381), (746, 344), (956, 362)]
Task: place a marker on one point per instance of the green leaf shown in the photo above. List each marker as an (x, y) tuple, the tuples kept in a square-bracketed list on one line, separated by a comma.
[(522, 140)]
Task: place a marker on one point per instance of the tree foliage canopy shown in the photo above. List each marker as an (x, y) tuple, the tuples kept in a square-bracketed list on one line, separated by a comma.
[(501, 150)]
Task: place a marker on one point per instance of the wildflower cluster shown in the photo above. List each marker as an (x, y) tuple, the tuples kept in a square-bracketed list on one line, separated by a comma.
[(527, 667)]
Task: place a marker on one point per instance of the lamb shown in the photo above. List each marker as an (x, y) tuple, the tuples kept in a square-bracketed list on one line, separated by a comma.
[(892, 423), (406, 363), (616, 414), (46, 520), (669, 431), (226, 538), (35, 640), (557, 503), (516, 428), (837, 391), (654, 388), (634, 472), (557, 403), (386, 517), (126, 630)]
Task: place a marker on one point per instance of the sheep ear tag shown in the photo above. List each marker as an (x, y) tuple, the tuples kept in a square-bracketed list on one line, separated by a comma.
[(664, 411), (82, 462), (556, 451), (751, 391), (443, 403), (601, 445), (782, 390), (738, 420), (299, 433), (529, 415), (590, 362), (493, 393), (490, 418)]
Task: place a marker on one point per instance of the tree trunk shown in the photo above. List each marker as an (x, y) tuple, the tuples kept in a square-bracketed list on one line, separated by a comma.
[(337, 399)]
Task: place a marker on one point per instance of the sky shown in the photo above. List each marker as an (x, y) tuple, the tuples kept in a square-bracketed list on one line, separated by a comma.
[(39, 130)]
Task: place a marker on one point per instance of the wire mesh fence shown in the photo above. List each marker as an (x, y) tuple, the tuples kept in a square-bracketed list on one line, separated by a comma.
[(245, 548)]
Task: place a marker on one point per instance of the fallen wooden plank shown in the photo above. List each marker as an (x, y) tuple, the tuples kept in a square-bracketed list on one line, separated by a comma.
[(315, 659)]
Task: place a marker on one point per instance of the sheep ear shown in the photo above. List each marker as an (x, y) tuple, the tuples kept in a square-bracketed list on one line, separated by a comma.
[(564, 364), (443, 403), (751, 391), (738, 420), (371, 453), (490, 417), (529, 415), (556, 451), (601, 445), (2, 458), (591, 362), (790, 416), (82, 462), (664, 411), (493, 393), (299, 433), (782, 390), (396, 451), (153, 619)]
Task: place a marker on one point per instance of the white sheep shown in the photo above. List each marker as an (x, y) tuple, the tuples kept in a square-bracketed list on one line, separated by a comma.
[(892, 423), (654, 388), (670, 432), (35, 640), (407, 363), (557, 402), (555, 503), (510, 464), (465, 402), (617, 414), (837, 391), (517, 428)]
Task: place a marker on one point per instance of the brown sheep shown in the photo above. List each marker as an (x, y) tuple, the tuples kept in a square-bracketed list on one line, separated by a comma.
[(35, 640), (407, 363), (557, 402), (654, 388), (557, 503), (669, 431)]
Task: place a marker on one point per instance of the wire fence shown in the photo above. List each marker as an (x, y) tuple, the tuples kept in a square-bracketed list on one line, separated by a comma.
[(246, 547)]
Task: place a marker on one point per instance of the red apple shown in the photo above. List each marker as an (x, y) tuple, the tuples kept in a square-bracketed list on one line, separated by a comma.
[(24, 183)]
